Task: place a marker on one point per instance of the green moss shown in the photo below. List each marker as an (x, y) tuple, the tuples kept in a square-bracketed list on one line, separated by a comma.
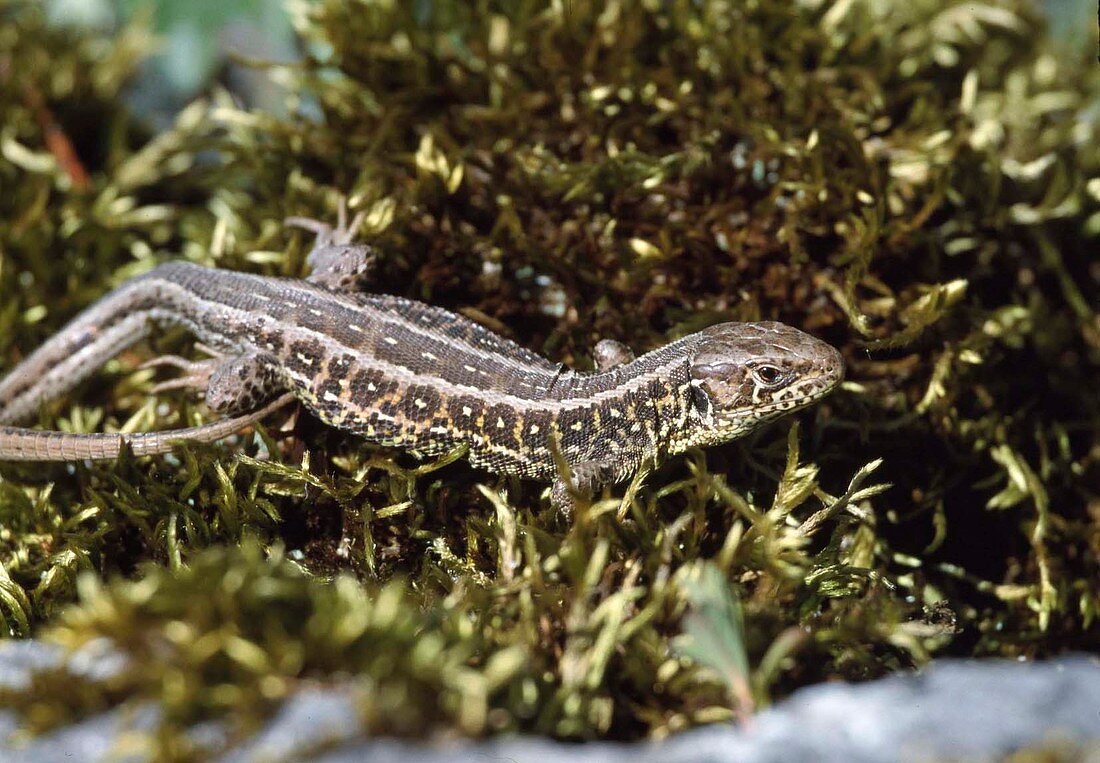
[(264, 627), (919, 185)]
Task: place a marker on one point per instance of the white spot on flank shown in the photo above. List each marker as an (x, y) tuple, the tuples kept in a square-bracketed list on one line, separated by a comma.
[(261, 297), (636, 427), (616, 413), (577, 427), (332, 398), (371, 387), (315, 311), (389, 340), (500, 423), (467, 410), (382, 416), (419, 403), (534, 429), (428, 356), (471, 369), (353, 327), (307, 360), (439, 430)]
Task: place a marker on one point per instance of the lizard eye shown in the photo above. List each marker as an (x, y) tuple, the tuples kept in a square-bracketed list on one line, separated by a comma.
[(768, 376)]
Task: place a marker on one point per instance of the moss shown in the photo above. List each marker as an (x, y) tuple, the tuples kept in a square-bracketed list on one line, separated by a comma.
[(918, 185), (264, 627)]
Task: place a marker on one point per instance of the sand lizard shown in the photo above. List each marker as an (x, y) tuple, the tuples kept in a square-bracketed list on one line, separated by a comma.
[(405, 374)]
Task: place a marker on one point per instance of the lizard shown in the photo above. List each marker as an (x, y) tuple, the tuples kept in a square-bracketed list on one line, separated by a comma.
[(405, 374)]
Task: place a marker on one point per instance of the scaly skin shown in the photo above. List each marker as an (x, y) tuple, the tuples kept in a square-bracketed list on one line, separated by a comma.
[(409, 375)]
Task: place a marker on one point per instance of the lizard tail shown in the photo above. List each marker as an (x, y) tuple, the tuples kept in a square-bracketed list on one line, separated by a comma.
[(19, 444)]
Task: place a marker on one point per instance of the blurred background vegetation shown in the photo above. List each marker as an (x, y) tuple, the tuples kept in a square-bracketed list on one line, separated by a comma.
[(919, 184)]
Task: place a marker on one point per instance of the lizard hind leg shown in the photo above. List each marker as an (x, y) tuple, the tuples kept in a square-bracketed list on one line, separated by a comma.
[(243, 383), (587, 478), (337, 262), (233, 384)]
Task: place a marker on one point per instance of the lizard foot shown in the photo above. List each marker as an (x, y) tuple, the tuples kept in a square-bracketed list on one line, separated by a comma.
[(196, 373), (337, 262), (233, 384), (586, 478)]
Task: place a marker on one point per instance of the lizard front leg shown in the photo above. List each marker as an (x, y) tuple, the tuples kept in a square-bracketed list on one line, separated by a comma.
[(610, 354), (337, 262)]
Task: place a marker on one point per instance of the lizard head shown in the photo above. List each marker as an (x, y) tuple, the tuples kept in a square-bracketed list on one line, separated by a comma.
[(743, 374)]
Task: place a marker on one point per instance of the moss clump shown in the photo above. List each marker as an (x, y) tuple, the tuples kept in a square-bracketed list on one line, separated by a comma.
[(918, 185), (264, 628)]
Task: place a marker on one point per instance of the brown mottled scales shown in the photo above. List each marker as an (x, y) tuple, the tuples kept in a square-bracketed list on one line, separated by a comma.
[(408, 375)]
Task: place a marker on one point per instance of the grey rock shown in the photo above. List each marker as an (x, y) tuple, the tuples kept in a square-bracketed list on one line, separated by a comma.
[(19, 660), (312, 719), (104, 737), (952, 710)]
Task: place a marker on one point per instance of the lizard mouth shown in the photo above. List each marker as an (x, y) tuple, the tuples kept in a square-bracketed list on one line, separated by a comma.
[(725, 425), (802, 393), (734, 423)]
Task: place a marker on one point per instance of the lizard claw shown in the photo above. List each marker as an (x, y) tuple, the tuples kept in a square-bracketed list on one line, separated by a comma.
[(327, 235), (196, 373), (189, 382), (175, 361)]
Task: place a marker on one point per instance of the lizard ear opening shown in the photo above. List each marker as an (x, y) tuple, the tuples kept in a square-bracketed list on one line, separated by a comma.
[(700, 399)]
